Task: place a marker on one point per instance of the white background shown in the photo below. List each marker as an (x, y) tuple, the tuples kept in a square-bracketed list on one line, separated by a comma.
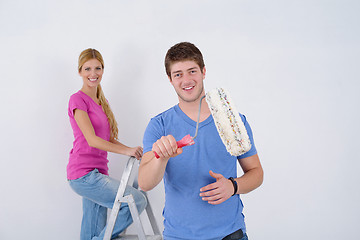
[(292, 68)]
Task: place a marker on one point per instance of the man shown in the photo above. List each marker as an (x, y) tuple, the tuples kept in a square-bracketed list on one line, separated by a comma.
[(200, 201)]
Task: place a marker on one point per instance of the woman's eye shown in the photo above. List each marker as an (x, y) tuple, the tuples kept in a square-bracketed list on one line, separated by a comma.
[(98, 68), (87, 69)]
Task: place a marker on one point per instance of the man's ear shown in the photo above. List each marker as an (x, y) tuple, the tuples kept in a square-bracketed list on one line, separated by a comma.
[(204, 72), (170, 79)]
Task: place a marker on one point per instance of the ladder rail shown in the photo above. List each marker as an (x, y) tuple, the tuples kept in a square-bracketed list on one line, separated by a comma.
[(120, 198), (117, 204), (136, 217), (151, 217)]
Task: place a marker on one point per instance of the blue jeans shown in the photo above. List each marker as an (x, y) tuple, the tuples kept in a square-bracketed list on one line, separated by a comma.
[(245, 237), (99, 192)]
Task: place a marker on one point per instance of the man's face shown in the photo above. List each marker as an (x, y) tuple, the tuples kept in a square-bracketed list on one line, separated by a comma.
[(187, 80)]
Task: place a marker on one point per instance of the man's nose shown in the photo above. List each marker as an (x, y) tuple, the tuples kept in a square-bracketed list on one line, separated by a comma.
[(187, 77)]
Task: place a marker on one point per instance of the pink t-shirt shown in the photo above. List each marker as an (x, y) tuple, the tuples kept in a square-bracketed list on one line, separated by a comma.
[(83, 158)]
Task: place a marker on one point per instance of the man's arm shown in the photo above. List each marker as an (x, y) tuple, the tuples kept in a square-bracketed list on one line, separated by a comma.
[(253, 174), (152, 169), (222, 189)]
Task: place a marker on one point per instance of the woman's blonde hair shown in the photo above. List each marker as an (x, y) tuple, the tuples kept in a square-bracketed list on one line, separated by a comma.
[(85, 56)]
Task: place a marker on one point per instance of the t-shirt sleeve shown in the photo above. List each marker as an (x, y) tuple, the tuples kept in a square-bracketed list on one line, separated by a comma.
[(252, 150), (76, 102), (153, 132)]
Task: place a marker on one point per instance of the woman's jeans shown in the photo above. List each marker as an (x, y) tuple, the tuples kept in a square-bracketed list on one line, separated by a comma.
[(99, 192)]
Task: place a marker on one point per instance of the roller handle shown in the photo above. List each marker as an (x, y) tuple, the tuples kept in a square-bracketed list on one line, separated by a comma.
[(185, 141)]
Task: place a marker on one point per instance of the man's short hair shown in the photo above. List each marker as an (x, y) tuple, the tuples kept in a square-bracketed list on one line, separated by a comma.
[(183, 51)]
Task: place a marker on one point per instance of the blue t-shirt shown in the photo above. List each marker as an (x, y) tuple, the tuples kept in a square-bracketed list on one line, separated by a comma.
[(186, 215)]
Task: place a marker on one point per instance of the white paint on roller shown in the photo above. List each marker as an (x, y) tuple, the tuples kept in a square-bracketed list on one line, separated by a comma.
[(230, 127)]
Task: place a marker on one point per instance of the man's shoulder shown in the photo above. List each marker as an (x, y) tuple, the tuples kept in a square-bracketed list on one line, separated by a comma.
[(169, 112), (166, 118)]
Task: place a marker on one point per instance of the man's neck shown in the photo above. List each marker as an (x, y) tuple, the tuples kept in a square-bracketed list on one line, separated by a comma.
[(191, 109)]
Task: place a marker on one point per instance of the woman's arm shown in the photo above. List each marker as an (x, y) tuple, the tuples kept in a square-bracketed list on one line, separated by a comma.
[(83, 121), (135, 151)]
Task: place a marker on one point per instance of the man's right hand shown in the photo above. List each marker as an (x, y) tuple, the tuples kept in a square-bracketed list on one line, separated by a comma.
[(151, 170), (166, 147)]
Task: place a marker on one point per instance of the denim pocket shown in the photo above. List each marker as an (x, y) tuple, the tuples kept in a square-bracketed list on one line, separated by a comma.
[(96, 187), (91, 176), (86, 179)]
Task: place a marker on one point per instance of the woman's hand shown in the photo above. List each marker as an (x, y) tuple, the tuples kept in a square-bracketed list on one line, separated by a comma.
[(136, 152)]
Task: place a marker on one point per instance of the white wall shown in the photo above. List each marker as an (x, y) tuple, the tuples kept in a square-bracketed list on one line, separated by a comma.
[(292, 68)]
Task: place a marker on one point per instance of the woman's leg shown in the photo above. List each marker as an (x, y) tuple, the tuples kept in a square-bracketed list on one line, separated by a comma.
[(94, 219), (102, 190), (124, 218)]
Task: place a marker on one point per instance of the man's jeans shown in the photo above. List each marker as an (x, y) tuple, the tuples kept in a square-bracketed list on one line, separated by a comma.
[(245, 237), (99, 192)]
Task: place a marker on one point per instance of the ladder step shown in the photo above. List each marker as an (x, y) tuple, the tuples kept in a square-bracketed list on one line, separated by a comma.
[(129, 199), (135, 237)]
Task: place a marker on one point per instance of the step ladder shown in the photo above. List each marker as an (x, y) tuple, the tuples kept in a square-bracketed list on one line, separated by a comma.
[(120, 198)]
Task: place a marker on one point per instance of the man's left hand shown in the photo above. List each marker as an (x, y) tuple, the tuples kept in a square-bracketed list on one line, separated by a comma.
[(219, 191)]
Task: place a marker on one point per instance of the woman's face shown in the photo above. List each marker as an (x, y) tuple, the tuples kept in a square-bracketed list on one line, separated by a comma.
[(91, 73)]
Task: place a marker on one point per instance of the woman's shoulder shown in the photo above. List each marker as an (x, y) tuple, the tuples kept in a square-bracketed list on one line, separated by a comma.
[(79, 100), (78, 96)]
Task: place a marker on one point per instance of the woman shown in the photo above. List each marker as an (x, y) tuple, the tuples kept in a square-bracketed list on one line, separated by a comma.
[(96, 133)]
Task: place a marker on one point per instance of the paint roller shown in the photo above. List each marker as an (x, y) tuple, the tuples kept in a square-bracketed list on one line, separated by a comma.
[(228, 123)]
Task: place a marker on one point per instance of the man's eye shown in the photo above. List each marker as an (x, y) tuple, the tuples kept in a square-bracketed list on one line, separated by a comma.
[(177, 75)]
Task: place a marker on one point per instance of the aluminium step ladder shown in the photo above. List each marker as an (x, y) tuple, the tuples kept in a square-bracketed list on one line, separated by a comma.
[(120, 198)]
